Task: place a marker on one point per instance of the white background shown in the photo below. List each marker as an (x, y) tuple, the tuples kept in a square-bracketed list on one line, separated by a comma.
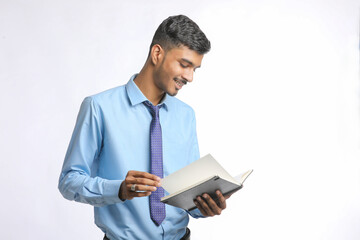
[(279, 93)]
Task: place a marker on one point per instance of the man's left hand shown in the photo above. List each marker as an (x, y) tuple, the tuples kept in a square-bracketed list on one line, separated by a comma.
[(210, 207)]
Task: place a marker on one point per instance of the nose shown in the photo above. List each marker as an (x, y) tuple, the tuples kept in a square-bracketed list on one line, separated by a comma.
[(188, 75)]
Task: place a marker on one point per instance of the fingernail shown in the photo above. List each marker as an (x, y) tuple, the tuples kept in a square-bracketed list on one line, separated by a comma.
[(154, 188)]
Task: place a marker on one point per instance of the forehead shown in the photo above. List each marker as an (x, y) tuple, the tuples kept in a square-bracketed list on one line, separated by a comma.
[(184, 53)]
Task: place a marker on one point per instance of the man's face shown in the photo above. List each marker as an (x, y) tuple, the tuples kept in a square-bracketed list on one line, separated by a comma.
[(176, 69)]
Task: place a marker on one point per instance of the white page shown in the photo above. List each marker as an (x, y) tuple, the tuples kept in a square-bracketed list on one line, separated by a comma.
[(243, 176), (197, 171)]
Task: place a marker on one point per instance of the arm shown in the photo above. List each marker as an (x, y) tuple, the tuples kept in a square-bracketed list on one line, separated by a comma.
[(206, 206), (194, 154), (77, 181)]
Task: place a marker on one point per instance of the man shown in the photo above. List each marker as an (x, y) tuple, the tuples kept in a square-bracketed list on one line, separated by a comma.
[(127, 138)]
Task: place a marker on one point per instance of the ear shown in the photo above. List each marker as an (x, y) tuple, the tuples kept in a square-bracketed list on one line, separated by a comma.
[(157, 54)]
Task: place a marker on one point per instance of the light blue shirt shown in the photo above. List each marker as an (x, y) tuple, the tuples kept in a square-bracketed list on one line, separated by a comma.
[(111, 137)]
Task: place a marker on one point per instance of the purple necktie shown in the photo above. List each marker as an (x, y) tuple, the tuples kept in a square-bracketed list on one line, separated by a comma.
[(157, 208)]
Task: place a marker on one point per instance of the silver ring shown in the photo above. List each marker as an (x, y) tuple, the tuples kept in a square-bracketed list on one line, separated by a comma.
[(133, 188)]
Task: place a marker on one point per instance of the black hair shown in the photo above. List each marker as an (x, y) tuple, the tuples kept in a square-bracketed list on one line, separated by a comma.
[(176, 31)]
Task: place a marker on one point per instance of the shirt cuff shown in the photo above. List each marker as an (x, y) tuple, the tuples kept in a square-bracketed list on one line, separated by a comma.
[(111, 191), (196, 213)]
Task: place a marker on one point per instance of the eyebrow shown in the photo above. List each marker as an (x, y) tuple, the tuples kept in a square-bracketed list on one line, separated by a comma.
[(189, 62)]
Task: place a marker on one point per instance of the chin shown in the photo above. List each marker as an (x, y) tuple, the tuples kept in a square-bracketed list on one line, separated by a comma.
[(172, 93)]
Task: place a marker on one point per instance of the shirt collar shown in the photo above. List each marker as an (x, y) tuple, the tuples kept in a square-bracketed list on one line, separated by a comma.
[(136, 96)]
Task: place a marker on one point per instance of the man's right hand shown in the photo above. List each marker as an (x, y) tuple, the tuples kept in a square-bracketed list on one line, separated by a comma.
[(145, 184)]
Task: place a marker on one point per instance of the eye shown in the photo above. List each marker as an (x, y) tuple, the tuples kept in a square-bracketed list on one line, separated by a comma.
[(183, 66)]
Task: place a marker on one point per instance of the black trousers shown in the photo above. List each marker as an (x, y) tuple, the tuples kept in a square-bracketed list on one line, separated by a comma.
[(185, 237)]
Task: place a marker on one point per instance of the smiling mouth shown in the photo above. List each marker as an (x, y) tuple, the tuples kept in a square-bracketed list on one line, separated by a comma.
[(179, 82)]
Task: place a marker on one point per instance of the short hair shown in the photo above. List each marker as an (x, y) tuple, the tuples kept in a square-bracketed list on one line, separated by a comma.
[(176, 31)]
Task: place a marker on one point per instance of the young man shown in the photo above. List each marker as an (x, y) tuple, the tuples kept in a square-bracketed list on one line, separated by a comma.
[(127, 138)]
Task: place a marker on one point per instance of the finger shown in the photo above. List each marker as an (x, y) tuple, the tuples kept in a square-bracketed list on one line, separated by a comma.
[(206, 209), (142, 188), (221, 200), (201, 209), (130, 179), (138, 174), (142, 181), (140, 194), (214, 208), (135, 177), (132, 194)]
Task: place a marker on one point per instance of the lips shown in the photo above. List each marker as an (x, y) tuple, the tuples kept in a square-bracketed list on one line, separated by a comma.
[(179, 83)]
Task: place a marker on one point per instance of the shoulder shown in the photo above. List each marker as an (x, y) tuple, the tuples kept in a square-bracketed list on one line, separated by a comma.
[(107, 97), (110, 94), (178, 106), (102, 103)]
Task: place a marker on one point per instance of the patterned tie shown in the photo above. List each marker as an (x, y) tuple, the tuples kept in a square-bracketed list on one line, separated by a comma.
[(157, 208)]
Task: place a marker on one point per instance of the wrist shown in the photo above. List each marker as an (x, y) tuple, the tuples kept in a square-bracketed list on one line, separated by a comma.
[(120, 194)]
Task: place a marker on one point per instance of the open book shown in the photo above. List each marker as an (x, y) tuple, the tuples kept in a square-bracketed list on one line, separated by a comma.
[(205, 175)]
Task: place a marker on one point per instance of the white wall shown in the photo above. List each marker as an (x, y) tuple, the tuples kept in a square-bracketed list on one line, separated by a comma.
[(283, 76)]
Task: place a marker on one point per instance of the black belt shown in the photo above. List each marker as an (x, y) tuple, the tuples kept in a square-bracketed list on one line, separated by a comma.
[(185, 237)]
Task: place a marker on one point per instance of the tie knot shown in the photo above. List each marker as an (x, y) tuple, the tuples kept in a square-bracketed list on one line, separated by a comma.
[(153, 109)]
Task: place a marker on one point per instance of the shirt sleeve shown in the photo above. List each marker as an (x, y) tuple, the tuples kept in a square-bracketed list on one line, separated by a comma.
[(77, 181), (196, 213)]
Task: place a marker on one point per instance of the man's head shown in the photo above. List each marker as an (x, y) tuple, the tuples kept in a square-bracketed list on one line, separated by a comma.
[(175, 53), (176, 31)]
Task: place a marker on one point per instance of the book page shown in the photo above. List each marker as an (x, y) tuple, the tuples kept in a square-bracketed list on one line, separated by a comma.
[(197, 171), (242, 177)]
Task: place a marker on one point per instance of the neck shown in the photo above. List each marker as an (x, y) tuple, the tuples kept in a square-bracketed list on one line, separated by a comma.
[(145, 82)]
